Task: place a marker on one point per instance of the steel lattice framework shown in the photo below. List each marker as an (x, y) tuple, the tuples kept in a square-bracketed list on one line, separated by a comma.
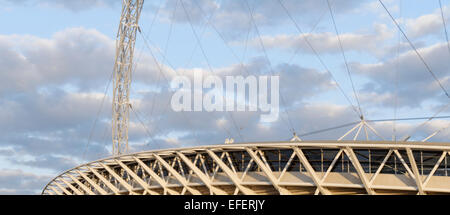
[(299, 167), (125, 43)]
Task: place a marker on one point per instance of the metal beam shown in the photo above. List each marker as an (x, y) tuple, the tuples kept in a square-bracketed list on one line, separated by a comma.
[(436, 166), (233, 177), (86, 189), (105, 181), (119, 178), (374, 176), (362, 175), (286, 166), (92, 183), (268, 172), (404, 163), (55, 190), (77, 191), (350, 131), (310, 171), (155, 176), (179, 178), (63, 189), (201, 175), (418, 179), (133, 175)]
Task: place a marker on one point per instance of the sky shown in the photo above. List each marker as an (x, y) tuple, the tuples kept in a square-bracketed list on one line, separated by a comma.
[(57, 57)]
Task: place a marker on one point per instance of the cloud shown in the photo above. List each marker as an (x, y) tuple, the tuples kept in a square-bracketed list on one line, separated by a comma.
[(19, 182), (428, 24), (54, 87), (81, 56), (411, 74), (51, 90), (327, 42), (48, 161), (233, 17), (72, 5), (45, 107)]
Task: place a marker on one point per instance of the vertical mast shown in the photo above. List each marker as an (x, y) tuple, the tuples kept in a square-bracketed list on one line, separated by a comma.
[(125, 43)]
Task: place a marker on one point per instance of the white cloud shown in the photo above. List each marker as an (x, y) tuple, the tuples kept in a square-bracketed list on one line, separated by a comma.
[(411, 74), (428, 24), (77, 5), (19, 182), (234, 17), (327, 42), (78, 55)]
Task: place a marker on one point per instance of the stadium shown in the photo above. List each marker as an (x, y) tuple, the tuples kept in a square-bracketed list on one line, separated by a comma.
[(296, 167), (285, 168)]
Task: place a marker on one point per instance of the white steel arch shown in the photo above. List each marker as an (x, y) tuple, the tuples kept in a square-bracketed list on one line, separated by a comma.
[(123, 67)]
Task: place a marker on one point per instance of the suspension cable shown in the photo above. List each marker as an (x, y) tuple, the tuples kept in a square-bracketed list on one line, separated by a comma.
[(143, 125), (394, 123), (203, 30), (241, 61), (436, 132), (104, 140), (328, 129), (408, 119), (105, 94), (415, 50), (319, 58), (424, 63), (376, 120), (222, 38), (249, 31), (196, 37), (345, 59), (435, 116), (163, 61), (156, 15), (297, 50), (445, 26), (147, 44), (292, 129), (210, 66)]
